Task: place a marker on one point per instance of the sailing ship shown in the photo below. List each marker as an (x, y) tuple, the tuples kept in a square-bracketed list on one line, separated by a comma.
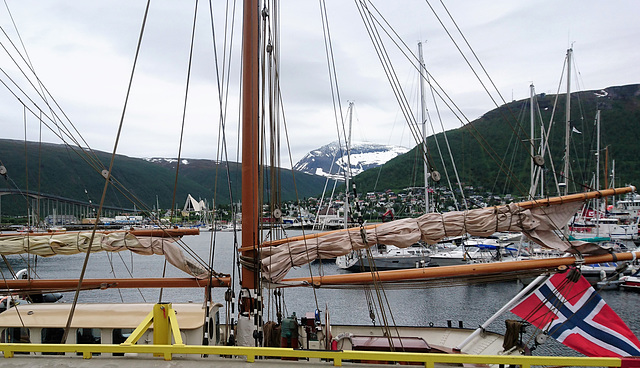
[(193, 328)]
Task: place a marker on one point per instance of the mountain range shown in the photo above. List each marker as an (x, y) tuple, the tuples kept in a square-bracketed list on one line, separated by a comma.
[(488, 152), (332, 161)]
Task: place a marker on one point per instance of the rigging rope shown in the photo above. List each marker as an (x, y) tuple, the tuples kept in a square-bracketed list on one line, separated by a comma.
[(90, 158), (374, 35), (106, 184), (182, 124), (444, 167), (514, 129), (440, 91)]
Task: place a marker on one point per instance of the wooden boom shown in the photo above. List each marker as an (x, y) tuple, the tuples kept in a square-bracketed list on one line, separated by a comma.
[(527, 204), (474, 269), (157, 233), (134, 283)]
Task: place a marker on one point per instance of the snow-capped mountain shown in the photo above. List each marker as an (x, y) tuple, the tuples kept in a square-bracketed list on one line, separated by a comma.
[(364, 155)]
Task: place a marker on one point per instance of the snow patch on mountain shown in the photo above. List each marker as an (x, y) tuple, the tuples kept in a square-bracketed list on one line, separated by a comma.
[(332, 161), (165, 160)]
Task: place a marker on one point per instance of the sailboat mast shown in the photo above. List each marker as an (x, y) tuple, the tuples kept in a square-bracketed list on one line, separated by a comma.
[(250, 113), (532, 152), (606, 174), (613, 176), (567, 130), (598, 171), (347, 175), (423, 110)]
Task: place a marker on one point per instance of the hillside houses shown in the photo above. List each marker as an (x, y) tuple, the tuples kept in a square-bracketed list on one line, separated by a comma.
[(408, 202)]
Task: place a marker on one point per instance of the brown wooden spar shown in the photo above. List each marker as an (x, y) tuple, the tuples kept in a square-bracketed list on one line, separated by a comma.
[(527, 204), (164, 233), (157, 233), (474, 269), (342, 279), (250, 113), (18, 286), (577, 197)]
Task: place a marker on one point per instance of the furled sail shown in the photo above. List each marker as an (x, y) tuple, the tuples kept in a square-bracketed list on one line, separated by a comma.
[(69, 243), (536, 223)]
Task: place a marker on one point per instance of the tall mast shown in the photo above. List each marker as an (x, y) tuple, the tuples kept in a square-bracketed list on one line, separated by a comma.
[(532, 152), (613, 176), (598, 171), (347, 175), (568, 124), (249, 308), (423, 114), (543, 143), (250, 113), (606, 174)]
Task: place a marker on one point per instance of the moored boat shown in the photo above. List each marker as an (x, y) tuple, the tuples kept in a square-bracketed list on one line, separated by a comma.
[(385, 257), (631, 282)]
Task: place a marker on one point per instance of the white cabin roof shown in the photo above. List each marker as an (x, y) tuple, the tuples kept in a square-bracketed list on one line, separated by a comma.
[(99, 315)]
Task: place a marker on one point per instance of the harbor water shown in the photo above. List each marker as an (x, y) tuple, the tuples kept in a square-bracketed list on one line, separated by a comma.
[(470, 305)]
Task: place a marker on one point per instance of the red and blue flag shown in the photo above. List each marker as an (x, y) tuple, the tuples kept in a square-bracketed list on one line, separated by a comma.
[(574, 314)]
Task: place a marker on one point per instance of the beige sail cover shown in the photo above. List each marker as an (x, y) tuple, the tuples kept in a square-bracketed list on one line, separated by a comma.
[(47, 245), (538, 224)]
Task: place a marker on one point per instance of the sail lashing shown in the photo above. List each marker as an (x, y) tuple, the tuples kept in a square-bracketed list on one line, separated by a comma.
[(539, 223), (69, 243)]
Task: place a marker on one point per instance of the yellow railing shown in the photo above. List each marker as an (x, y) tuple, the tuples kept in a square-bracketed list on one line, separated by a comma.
[(429, 360), (166, 330)]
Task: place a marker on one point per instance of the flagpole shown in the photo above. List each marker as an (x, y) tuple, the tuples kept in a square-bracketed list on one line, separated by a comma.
[(506, 307)]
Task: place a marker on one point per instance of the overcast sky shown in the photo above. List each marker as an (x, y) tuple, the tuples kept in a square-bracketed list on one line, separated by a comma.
[(82, 51)]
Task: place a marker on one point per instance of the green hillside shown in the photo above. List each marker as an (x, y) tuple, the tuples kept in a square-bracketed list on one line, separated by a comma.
[(488, 154), (66, 172)]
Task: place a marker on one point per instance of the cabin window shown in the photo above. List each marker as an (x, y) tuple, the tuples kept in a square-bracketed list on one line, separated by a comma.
[(16, 335), (52, 336), (88, 336), (119, 336)]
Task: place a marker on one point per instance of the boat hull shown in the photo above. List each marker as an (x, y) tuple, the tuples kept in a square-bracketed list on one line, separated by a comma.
[(385, 258)]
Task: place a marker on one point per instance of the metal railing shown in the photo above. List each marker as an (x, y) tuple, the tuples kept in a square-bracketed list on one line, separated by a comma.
[(334, 356)]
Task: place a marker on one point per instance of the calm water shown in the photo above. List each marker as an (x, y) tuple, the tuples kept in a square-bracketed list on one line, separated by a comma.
[(471, 304)]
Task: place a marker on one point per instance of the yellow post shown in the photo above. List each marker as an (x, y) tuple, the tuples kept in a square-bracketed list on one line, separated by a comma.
[(175, 329), (161, 327), (165, 325)]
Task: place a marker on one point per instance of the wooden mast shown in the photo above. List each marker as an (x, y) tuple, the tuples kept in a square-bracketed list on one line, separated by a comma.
[(248, 305), (250, 113)]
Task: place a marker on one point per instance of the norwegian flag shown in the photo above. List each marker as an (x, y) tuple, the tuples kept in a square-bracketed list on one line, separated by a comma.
[(574, 314)]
